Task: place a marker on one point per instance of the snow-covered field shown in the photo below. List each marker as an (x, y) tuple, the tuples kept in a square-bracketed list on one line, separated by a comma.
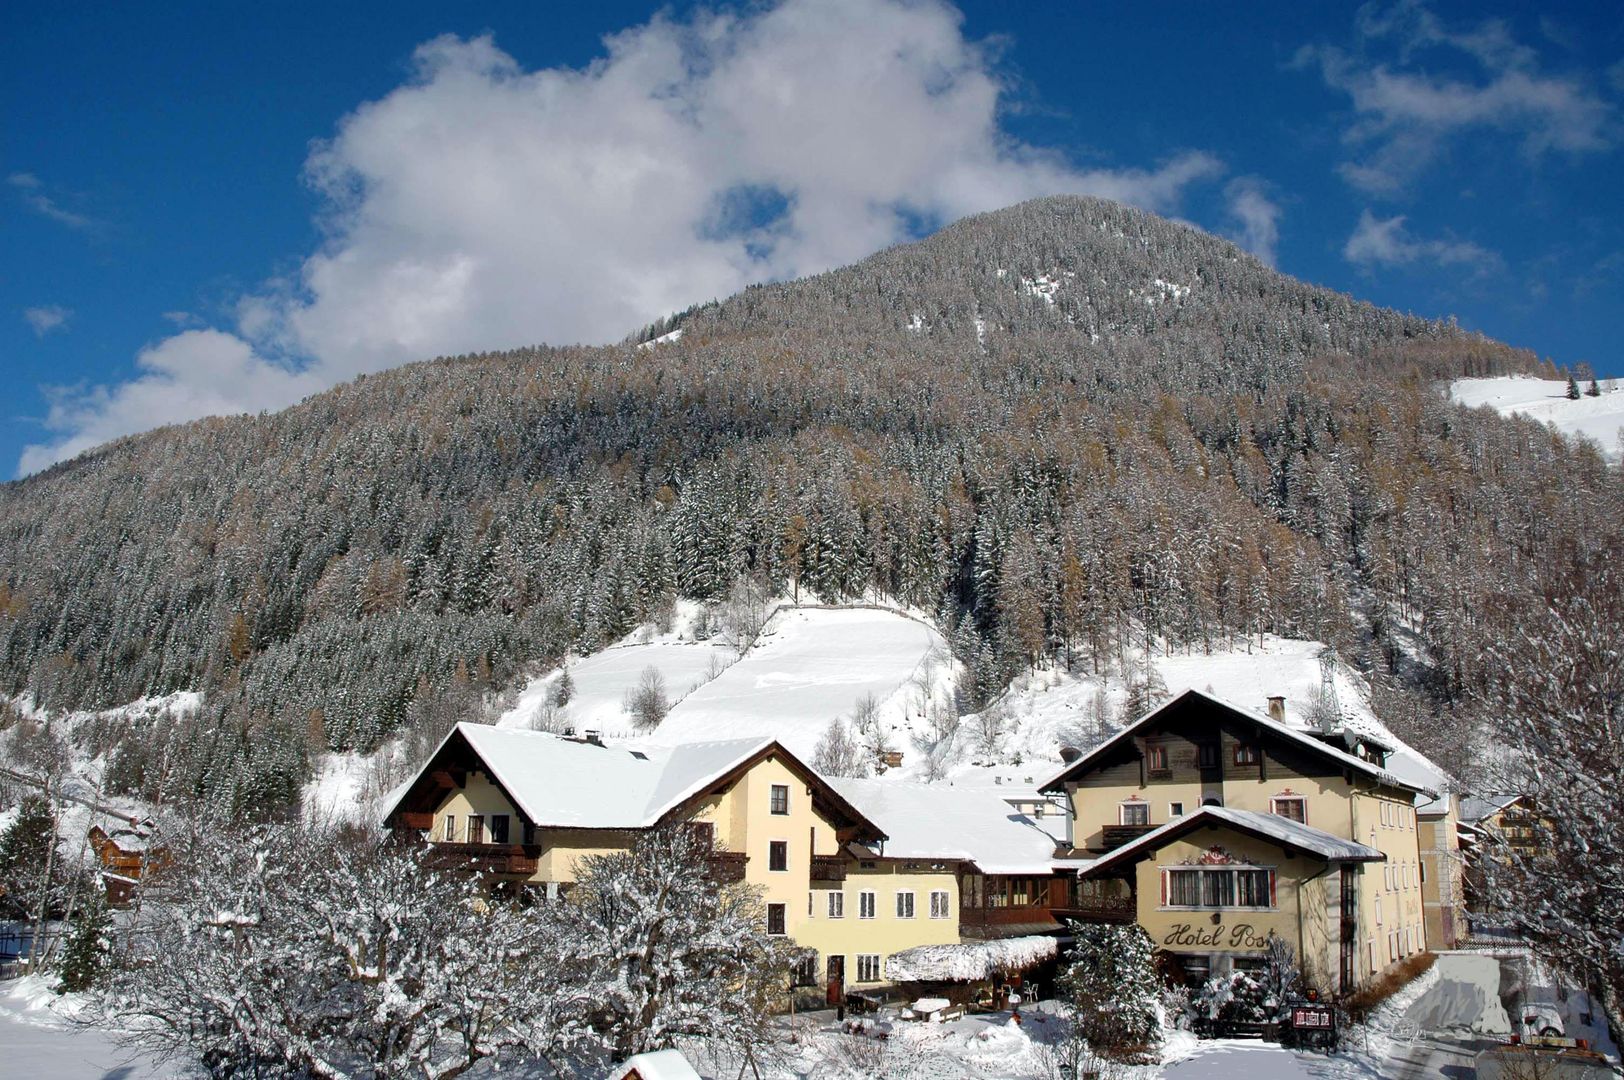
[(38, 1039), (811, 665), (1599, 418)]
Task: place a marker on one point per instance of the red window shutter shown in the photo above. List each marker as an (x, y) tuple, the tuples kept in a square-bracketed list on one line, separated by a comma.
[(1272, 901), (1164, 888)]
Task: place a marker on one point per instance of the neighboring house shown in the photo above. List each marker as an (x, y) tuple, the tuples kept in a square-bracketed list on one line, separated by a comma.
[(126, 853), (1215, 825), (1496, 827), (525, 807)]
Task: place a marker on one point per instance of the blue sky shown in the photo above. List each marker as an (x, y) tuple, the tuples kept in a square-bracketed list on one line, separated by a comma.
[(220, 207)]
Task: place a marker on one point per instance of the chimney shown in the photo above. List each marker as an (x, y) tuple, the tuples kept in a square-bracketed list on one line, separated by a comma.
[(593, 736), (1277, 708)]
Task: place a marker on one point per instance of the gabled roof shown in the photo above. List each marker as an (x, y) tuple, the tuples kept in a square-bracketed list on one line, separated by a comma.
[(1475, 808), (1270, 827), (567, 783), (1297, 737), (941, 823)]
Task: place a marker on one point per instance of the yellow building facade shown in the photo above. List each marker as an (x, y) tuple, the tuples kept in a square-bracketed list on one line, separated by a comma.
[(1197, 752)]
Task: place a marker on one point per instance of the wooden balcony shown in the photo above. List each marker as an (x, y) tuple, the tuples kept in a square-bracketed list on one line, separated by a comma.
[(1114, 836), (726, 867), (828, 868), (409, 819), (1120, 910), (484, 858), (1021, 915)]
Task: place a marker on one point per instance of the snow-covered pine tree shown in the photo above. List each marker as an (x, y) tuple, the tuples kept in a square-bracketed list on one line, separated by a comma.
[(1110, 981), (88, 950)]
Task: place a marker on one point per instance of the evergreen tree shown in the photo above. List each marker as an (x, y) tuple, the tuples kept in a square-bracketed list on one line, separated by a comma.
[(1110, 982), (29, 882), (1594, 390), (89, 946), (1573, 389)]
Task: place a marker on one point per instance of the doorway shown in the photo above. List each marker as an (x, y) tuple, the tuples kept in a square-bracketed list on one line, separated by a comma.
[(835, 993)]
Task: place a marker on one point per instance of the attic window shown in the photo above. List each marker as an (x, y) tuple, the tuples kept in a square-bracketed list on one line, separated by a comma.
[(1246, 754), (1156, 758), (1291, 807), (780, 798)]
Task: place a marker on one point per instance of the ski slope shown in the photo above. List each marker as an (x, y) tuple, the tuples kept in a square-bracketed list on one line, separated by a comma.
[(810, 666), (1598, 418)]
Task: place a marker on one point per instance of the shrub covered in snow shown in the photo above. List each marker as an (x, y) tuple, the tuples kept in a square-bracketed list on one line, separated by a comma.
[(1111, 984)]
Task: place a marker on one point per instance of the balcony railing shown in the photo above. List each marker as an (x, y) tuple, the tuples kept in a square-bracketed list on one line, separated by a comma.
[(726, 867), (1100, 909), (485, 858), (1114, 836), (828, 868), (1009, 915)]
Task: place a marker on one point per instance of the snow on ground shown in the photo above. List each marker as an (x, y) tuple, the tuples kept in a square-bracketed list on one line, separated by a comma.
[(1599, 418), (340, 788), (38, 1039), (810, 666)]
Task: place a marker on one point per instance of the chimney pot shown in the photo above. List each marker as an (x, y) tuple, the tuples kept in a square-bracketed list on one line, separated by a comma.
[(1277, 708)]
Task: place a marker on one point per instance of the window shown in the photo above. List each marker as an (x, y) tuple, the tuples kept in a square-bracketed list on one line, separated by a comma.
[(837, 905), (476, 829), (1208, 755), (1292, 807), (1175, 809), (938, 904), (450, 828), (865, 905), (775, 919), (905, 905), (780, 798), (1387, 815), (778, 855), (1224, 888), (499, 828), (1135, 813), (806, 971), (1378, 911), (868, 967), (1423, 869), (1156, 758), (1245, 754), (811, 905), (1387, 873)]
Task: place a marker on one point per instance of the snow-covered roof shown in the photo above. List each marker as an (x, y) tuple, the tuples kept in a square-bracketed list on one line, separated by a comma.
[(1475, 808), (923, 821), (1295, 735), (1281, 830), (569, 783), (655, 1065), (970, 960)]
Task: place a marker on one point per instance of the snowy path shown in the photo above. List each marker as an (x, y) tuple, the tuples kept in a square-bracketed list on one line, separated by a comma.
[(1244, 1060)]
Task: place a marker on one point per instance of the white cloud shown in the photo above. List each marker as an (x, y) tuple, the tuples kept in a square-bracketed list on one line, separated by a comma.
[(1386, 242), (31, 191), (1406, 113), (45, 319), (480, 205), (197, 373), (1256, 215)]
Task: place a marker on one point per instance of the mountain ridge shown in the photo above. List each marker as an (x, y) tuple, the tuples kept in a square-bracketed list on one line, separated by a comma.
[(1052, 464)]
